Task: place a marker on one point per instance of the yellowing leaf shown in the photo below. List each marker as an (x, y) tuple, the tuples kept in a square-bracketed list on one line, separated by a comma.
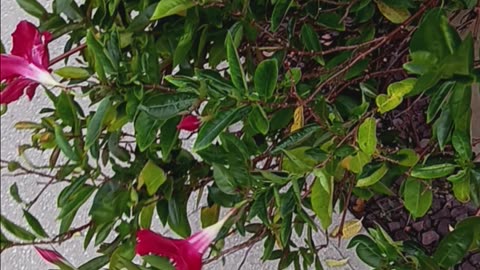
[(350, 229), (152, 176), (298, 120), (336, 263), (393, 14)]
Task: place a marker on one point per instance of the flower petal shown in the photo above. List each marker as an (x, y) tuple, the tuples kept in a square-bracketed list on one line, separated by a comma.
[(15, 89), (180, 252), (30, 44), (202, 240), (55, 258), (50, 256), (12, 66), (189, 123)]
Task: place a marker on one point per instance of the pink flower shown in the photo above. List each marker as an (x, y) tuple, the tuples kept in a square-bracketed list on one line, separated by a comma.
[(53, 257), (183, 254), (189, 123), (27, 65)]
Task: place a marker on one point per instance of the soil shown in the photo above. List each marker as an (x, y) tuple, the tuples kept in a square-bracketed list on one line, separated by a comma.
[(409, 127), (427, 231)]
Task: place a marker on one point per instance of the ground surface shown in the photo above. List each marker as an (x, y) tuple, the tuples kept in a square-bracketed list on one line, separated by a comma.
[(24, 258)]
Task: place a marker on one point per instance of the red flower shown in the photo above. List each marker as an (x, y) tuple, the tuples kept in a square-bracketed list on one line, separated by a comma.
[(183, 254), (53, 257), (189, 123), (27, 65)]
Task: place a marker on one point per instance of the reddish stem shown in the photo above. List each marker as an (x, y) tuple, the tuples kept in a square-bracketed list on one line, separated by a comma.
[(67, 54)]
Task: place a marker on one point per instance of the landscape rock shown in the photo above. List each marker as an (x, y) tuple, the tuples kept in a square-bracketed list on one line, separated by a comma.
[(429, 238)]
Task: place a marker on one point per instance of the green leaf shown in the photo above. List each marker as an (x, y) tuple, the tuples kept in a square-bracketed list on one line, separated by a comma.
[(16, 230), (417, 197), (34, 224), (146, 214), (433, 171), (142, 20), (177, 216), (435, 35), (166, 106), (471, 224), (185, 43), (95, 263), (74, 202), (453, 247), (443, 127), (211, 129), (407, 157), (322, 197), (279, 11), (33, 8), (63, 144), (296, 138), (209, 215), (95, 125), (72, 73), (235, 67), (158, 262), (373, 178), (401, 88), (438, 100), (421, 63), (367, 136), (67, 111), (461, 189), (258, 120), (152, 176), (14, 193), (169, 136), (367, 250), (310, 39), (265, 79), (331, 20), (167, 8), (224, 179), (103, 63), (146, 129), (386, 103), (394, 14), (461, 61)]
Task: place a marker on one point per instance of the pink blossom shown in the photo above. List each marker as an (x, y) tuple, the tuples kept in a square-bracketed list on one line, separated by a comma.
[(27, 65), (53, 257), (183, 254), (189, 123)]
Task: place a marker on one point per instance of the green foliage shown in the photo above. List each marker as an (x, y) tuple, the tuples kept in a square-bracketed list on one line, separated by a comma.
[(296, 100)]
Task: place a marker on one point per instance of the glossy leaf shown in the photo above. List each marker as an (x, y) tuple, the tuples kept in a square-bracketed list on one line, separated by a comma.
[(279, 11), (433, 171), (258, 120), (63, 144), (394, 14), (72, 73), (166, 106), (34, 224), (95, 125), (152, 176), (167, 8), (322, 197), (265, 79), (235, 67), (210, 130), (16, 230), (32, 7), (367, 136), (373, 178), (417, 197), (453, 248)]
